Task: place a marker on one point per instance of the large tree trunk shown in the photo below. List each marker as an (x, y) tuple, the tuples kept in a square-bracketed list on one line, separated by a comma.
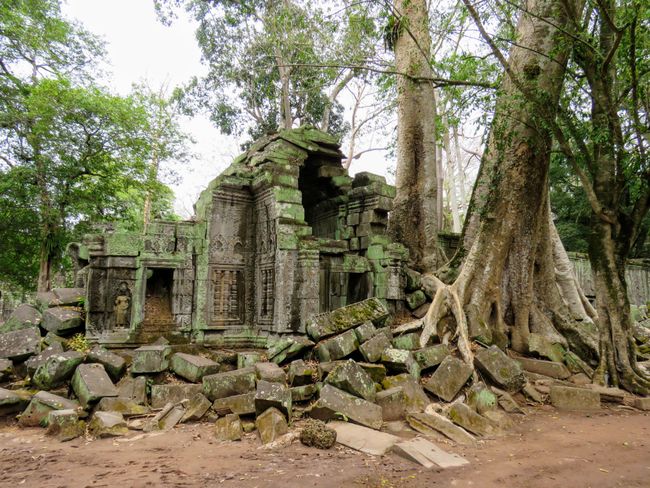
[(507, 281), (413, 219)]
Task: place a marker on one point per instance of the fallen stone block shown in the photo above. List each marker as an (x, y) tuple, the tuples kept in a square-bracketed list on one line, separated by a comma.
[(161, 395), (416, 299), (126, 406), (34, 362), (392, 403), (332, 403), (373, 348), (352, 378), (23, 317), (337, 347), (344, 318), (228, 428), (248, 358), (427, 454), (547, 368), (91, 383), (40, 407), (503, 371), (415, 398), (107, 424), (431, 356), (69, 296), (377, 372), (151, 359), (114, 364), (197, 407), (481, 398), (133, 388), (422, 310), (57, 370), (468, 419), (192, 368), (45, 299), (539, 344), (222, 385), (18, 345), (642, 403), (271, 424), (300, 373), (400, 361), (270, 372), (449, 378), (497, 417), (535, 393), (13, 401), (303, 393), (363, 439), (365, 331), (296, 346), (6, 369), (61, 321), (506, 401), (570, 398), (609, 394), (317, 434), (64, 425), (409, 342), (166, 419), (432, 423), (272, 395), (240, 404), (412, 326)]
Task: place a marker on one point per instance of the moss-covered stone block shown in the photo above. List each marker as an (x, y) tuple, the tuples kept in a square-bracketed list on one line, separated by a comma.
[(91, 383), (227, 384), (352, 378), (40, 406), (502, 370), (449, 378), (344, 318), (58, 369), (193, 368), (64, 425)]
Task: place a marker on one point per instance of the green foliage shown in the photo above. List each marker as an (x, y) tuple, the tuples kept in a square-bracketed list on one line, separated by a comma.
[(79, 343)]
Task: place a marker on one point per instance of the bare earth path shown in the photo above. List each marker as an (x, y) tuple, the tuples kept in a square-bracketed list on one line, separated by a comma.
[(547, 448)]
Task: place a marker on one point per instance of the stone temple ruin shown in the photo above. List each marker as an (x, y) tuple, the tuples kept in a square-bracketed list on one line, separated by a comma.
[(281, 235)]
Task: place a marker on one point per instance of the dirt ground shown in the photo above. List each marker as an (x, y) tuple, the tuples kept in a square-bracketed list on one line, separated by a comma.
[(545, 448)]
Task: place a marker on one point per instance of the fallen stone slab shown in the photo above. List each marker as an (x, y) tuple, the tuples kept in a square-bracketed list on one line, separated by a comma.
[(91, 383), (421, 311), (228, 428), (240, 404), (431, 356), (481, 398), (193, 368), (126, 406), (427, 454), (570, 398), (337, 347), (41, 405), (416, 299), (535, 393), (6, 369), (222, 385), (608, 394), (539, 344), (400, 361), (272, 395), (344, 318), (365, 331), (18, 345), (64, 425), (432, 423), (45, 299), (61, 320), (300, 373), (107, 424), (166, 419), (161, 395), (376, 371), (57, 370), (468, 419), (409, 341), (412, 326), (70, 296), (268, 371), (317, 434), (352, 378), (271, 424), (13, 401), (248, 358), (34, 362), (415, 398), (503, 371), (196, 408), (332, 403), (303, 393), (547, 368), (373, 348), (23, 317), (151, 359), (134, 388), (642, 403), (392, 403), (114, 364), (363, 439), (449, 378), (506, 401), (296, 346)]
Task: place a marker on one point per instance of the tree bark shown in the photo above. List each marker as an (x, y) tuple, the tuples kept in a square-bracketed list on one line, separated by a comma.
[(451, 178), (414, 217)]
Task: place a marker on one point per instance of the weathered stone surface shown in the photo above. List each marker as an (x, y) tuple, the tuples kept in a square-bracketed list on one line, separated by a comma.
[(376, 371), (133, 388), (295, 347), (337, 347), (468, 419), (303, 393), (642, 403), (13, 401), (400, 361), (41, 405), (196, 408), (449, 378), (499, 418), (416, 299), (431, 356), (352, 378), (270, 372), (373, 348), (23, 317), (534, 393), (166, 419), (409, 342), (45, 299), (365, 332), (363, 439), (239, 404), (300, 373), (344, 318), (432, 423), (114, 364), (126, 406), (61, 320), (334, 402), (547, 368), (6, 369), (57, 370), (481, 398), (107, 424), (427, 454), (227, 384), (161, 395), (248, 358), (192, 368), (151, 359), (541, 345), (506, 402), (228, 428), (18, 345), (91, 383), (65, 425), (272, 395), (392, 403), (415, 397), (505, 372), (570, 398), (69, 296), (270, 425), (34, 362), (317, 434), (422, 310)]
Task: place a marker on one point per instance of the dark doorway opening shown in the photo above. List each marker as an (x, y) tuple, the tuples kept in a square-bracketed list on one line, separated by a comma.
[(358, 287), (318, 194), (158, 296)]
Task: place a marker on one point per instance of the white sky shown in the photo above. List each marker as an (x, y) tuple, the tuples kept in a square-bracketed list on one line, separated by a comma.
[(141, 48)]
